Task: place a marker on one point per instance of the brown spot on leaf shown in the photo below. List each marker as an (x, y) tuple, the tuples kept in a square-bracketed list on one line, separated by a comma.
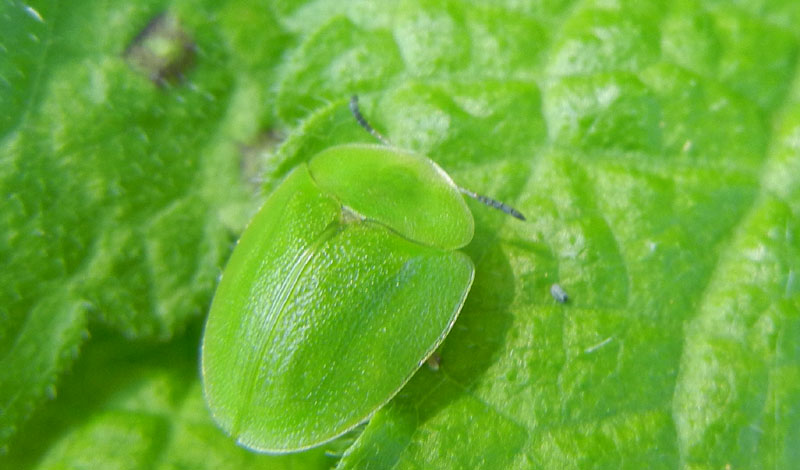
[(162, 50)]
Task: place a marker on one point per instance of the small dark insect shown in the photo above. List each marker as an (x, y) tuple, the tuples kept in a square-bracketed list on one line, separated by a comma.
[(559, 293), (162, 50)]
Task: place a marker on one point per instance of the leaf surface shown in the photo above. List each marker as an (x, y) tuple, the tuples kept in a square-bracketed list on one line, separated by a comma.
[(653, 147), (120, 174)]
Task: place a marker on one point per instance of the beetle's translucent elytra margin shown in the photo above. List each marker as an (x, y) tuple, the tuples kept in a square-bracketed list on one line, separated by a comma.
[(494, 203)]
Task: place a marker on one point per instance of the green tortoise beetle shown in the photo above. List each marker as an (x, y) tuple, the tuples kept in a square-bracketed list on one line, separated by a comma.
[(346, 280)]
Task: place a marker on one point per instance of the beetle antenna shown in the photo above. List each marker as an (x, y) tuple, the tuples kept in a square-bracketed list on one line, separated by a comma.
[(501, 206), (363, 122)]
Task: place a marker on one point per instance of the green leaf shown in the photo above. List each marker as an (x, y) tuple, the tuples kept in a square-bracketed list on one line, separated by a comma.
[(117, 158), (136, 406), (643, 165), (737, 397), (653, 146)]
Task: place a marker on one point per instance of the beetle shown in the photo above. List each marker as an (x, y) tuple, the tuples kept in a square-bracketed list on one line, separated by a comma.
[(341, 286)]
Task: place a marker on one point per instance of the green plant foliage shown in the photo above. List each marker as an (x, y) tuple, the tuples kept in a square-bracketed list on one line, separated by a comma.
[(136, 405), (652, 145)]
